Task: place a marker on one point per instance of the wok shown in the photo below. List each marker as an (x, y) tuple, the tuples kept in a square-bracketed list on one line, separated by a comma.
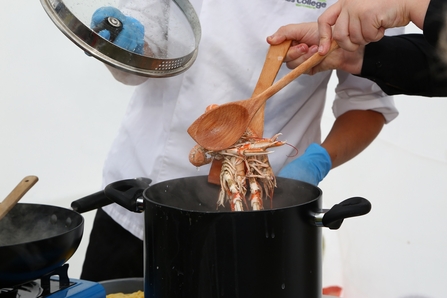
[(35, 239), (194, 250)]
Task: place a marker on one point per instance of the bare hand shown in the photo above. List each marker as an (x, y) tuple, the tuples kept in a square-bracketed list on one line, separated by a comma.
[(357, 22), (305, 43)]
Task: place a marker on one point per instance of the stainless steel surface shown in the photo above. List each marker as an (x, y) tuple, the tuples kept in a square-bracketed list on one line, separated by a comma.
[(319, 218), (180, 46), (140, 204)]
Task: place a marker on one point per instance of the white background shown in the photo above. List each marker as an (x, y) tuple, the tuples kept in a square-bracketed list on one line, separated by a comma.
[(60, 110)]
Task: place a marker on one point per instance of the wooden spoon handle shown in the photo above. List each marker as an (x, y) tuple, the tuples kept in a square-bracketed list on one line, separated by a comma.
[(272, 64), (284, 81), (16, 194)]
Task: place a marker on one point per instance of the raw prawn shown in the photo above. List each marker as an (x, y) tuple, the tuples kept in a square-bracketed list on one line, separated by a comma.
[(245, 161)]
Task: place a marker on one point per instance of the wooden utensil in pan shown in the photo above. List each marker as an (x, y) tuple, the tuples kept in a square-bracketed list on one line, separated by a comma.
[(16, 194), (272, 64)]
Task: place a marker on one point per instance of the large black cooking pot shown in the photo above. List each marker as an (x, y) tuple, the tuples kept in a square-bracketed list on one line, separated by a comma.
[(35, 239), (194, 250)]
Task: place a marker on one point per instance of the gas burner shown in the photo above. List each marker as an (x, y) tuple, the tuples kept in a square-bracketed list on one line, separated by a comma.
[(31, 289), (55, 284)]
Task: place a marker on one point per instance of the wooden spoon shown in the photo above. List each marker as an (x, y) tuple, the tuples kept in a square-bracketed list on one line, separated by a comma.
[(16, 194), (223, 126), (272, 64)]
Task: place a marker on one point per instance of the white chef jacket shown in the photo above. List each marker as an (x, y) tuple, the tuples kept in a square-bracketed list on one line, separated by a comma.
[(153, 141)]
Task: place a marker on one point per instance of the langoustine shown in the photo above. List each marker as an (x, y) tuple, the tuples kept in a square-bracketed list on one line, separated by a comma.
[(246, 162)]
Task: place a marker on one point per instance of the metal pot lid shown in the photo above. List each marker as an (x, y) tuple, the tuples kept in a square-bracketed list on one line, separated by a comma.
[(172, 34)]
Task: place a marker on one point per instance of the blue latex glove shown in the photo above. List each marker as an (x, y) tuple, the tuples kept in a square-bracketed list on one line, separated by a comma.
[(310, 167), (131, 36)]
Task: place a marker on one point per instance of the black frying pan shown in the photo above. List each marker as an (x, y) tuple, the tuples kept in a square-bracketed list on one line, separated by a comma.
[(35, 239)]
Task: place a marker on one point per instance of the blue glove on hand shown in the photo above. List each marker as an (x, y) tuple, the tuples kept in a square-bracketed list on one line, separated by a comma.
[(310, 167), (131, 36)]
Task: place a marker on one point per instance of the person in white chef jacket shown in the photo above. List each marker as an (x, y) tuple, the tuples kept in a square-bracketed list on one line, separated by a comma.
[(152, 141)]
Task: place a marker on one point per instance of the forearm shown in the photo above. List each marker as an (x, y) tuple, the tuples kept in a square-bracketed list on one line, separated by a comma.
[(351, 133), (405, 64), (417, 10)]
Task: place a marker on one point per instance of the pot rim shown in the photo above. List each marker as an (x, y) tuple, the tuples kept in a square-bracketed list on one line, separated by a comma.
[(318, 196)]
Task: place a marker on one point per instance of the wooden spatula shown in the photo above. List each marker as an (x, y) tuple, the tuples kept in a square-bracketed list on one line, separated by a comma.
[(272, 64)]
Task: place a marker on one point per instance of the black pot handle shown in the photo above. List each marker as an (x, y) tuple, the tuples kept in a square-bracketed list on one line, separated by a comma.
[(101, 198), (128, 193), (91, 202), (351, 207)]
